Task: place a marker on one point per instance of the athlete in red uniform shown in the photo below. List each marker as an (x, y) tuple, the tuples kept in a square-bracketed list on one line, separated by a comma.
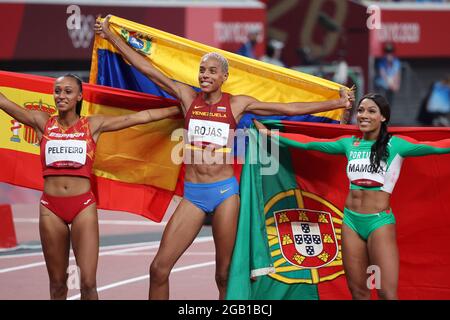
[(210, 186), (67, 152), (210, 123)]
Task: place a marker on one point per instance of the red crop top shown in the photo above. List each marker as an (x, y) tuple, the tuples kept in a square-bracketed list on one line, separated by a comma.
[(208, 124), (67, 151)]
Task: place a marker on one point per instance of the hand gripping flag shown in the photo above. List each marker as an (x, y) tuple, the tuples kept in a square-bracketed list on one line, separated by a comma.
[(288, 242), (133, 171), (179, 59)]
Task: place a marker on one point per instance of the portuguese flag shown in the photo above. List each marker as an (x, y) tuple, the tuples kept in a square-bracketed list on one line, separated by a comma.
[(288, 243)]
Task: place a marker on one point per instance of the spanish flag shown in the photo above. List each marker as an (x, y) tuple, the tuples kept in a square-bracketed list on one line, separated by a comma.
[(179, 59), (133, 171)]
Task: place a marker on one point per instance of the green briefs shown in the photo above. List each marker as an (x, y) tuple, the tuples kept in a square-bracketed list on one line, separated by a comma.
[(365, 223)]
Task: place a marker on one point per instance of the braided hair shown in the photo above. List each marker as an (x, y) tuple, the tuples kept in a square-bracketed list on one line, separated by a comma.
[(379, 151)]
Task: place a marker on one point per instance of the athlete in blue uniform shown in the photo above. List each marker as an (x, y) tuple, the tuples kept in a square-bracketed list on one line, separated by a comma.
[(210, 187)]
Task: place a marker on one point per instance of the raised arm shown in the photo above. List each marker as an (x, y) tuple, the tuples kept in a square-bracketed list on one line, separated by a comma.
[(182, 92), (300, 141), (32, 118), (297, 108), (101, 123)]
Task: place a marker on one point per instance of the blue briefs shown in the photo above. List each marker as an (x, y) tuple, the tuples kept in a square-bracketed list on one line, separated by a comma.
[(207, 196)]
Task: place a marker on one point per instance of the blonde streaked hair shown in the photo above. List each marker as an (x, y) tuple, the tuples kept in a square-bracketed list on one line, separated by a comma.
[(217, 56)]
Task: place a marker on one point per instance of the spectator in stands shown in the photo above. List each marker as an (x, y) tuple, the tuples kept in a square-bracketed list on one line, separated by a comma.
[(309, 58), (341, 72), (273, 52), (248, 48), (435, 107), (388, 74)]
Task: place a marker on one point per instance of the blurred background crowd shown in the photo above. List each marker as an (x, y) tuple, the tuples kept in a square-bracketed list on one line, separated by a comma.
[(398, 48)]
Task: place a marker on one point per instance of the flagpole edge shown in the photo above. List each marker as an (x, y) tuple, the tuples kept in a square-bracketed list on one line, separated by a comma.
[(262, 272)]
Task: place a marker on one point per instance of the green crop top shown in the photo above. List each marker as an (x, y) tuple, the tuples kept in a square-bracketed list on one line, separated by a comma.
[(359, 170)]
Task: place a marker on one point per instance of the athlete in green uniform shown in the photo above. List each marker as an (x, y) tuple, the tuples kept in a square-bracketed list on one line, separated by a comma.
[(374, 164)]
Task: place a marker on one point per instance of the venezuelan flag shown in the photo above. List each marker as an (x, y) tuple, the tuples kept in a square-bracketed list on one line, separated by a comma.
[(133, 171), (179, 59)]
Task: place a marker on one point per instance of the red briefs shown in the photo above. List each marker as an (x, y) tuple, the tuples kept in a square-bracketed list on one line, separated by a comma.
[(67, 208)]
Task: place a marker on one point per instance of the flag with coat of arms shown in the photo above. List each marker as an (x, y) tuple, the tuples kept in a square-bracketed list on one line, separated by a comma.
[(288, 243)]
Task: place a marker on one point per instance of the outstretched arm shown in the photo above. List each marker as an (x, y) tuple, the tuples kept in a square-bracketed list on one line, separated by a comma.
[(101, 123), (409, 147), (32, 118), (304, 142), (298, 108), (182, 92)]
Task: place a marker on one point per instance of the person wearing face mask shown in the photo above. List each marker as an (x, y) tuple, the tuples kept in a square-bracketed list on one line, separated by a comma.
[(373, 168)]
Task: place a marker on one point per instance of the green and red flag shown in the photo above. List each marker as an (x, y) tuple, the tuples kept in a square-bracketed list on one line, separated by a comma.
[(288, 243)]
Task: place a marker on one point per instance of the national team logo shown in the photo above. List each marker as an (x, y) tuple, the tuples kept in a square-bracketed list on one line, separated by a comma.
[(307, 237), (304, 242), (30, 134), (356, 143), (15, 130), (140, 43)]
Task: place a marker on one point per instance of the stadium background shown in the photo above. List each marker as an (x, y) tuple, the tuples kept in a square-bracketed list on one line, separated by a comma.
[(34, 39)]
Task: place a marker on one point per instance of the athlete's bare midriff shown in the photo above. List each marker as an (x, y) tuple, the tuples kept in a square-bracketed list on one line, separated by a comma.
[(208, 173), (65, 186), (367, 201)]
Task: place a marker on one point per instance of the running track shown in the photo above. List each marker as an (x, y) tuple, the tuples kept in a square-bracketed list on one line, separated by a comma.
[(128, 243)]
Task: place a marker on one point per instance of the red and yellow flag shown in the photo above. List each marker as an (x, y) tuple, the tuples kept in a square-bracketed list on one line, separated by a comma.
[(133, 170)]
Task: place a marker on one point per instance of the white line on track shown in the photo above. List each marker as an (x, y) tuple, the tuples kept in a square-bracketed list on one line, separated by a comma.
[(24, 255), (103, 222), (152, 245), (145, 277), (154, 252), (21, 247)]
